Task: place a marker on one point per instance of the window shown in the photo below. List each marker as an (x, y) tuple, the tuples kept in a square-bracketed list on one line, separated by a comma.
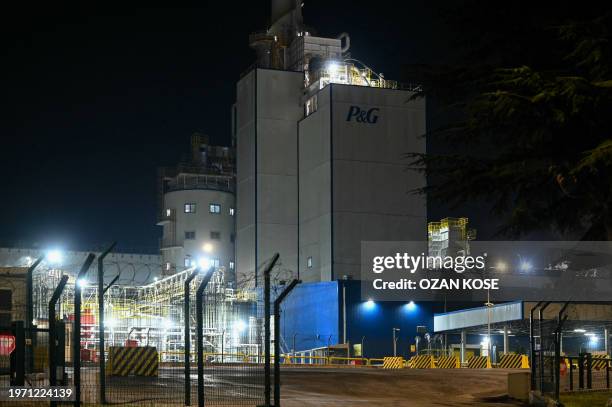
[(215, 235), (187, 261), (168, 213), (232, 265), (190, 235), (168, 266), (190, 208), (232, 211), (309, 262), (215, 263), (214, 208)]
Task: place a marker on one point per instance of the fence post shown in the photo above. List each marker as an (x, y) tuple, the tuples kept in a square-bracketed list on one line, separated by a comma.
[(29, 323), (608, 372), (581, 371), (267, 270), (187, 337), (101, 357), (277, 303), (52, 333), (18, 355), (589, 365), (200, 334), (541, 351), (531, 346), (571, 374), (557, 362), (76, 332)]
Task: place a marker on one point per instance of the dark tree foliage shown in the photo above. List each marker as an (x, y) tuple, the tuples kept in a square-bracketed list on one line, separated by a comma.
[(528, 110)]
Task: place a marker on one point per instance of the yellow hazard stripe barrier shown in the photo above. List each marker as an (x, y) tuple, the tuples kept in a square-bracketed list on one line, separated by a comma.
[(513, 361), (422, 362), (599, 362), (393, 362), (448, 362), (140, 361), (479, 362)]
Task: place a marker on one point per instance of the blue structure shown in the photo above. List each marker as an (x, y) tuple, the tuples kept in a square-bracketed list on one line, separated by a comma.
[(312, 317)]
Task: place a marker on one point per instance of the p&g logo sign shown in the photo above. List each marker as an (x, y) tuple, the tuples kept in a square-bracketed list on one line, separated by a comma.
[(362, 116)]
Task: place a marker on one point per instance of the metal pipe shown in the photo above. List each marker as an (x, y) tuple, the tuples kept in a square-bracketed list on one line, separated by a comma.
[(101, 290), (462, 351), (505, 340), (267, 329), (277, 353), (52, 334), (76, 333), (344, 339), (187, 338), (200, 334), (607, 341), (395, 341)]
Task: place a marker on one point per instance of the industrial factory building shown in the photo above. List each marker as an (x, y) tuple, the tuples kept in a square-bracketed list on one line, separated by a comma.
[(320, 138), (316, 167)]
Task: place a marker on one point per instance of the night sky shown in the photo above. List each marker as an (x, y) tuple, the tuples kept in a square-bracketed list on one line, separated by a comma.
[(96, 96)]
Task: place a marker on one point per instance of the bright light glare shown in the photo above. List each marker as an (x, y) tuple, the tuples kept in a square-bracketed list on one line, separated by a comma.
[(110, 322), (155, 278), (579, 330), (82, 282), (332, 66), (55, 256), (207, 247), (593, 340), (411, 306), (204, 262), (526, 266), (485, 342), (501, 266), (369, 304), (240, 326)]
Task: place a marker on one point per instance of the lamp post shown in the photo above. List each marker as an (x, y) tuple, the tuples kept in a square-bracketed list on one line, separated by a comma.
[(395, 338)]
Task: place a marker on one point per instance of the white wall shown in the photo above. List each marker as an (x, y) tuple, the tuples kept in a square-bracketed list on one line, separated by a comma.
[(202, 222), (267, 110), (371, 197)]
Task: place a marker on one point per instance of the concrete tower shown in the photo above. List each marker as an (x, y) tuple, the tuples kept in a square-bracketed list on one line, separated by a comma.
[(197, 209)]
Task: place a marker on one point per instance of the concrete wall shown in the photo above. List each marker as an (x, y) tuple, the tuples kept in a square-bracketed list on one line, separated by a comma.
[(355, 169), (314, 193), (202, 222), (267, 110)]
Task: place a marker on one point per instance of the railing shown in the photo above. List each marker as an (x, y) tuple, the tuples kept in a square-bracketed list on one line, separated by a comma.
[(214, 182)]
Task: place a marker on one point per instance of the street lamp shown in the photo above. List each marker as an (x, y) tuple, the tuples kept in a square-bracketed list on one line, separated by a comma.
[(395, 338)]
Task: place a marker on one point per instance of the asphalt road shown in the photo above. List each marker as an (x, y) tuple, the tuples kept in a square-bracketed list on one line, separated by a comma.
[(308, 386), (382, 388)]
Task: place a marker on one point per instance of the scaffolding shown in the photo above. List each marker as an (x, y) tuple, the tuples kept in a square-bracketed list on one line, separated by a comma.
[(153, 315), (449, 236)]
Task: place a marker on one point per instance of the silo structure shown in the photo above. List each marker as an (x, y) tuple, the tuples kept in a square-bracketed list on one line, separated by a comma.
[(197, 210)]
